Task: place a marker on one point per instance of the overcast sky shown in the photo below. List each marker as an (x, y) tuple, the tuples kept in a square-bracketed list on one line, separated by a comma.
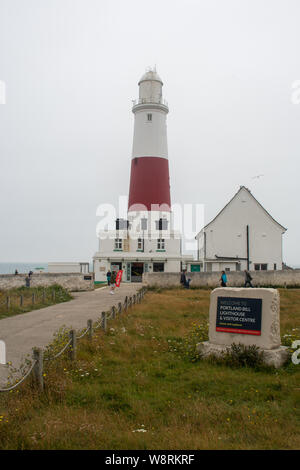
[(71, 69)]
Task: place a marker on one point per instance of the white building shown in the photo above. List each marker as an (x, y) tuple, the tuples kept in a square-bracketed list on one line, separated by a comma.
[(68, 267), (242, 236), (146, 241)]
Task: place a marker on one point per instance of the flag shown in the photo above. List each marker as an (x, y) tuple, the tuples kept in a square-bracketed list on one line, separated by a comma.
[(119, 278)]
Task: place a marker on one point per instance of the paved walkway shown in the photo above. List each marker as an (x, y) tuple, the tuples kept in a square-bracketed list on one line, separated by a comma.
[(35, 329)]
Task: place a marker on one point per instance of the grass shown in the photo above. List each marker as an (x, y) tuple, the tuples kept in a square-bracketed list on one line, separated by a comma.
[(43, 297), (132, 389)]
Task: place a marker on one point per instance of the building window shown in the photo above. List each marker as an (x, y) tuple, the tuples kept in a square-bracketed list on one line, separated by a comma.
[(118, 244), (149, 117), (144, 223), (158, 267), (160, 243), (161, 224), (261, 267), (140, 244), (275, 266), (227, 270)]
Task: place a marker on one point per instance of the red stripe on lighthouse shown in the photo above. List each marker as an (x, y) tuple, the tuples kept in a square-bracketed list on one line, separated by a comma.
[(149, 183)]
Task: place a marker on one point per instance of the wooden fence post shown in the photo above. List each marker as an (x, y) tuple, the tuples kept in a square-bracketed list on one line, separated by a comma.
[(21, 300), (43, 296), (90, 328), (8, 302), (103, 321), (113, 313), (53, 295), (38, 368), (120, 307), (126, 304), (72, 349), (33, 298)]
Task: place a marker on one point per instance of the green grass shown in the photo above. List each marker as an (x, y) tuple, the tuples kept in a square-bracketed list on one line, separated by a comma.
[(132, 378), (43, 297)]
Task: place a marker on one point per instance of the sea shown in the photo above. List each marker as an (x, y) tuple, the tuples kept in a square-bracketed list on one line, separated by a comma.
[(36, 267), (9, 268)]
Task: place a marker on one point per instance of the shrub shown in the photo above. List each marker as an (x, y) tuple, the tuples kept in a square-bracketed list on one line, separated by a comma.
[(240, 355)]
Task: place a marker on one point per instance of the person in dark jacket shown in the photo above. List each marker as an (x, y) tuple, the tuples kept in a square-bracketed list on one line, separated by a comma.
[(184, 281), (223, 279), (248, 279), (108, 277)]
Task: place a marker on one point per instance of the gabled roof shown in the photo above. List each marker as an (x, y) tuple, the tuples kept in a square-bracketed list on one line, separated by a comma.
[(258, 203)]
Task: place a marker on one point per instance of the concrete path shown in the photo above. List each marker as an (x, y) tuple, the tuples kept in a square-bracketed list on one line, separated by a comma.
[(35, 329)]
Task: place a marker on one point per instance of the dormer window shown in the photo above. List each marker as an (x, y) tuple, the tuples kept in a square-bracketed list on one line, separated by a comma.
[(161, 224), (149, 117)]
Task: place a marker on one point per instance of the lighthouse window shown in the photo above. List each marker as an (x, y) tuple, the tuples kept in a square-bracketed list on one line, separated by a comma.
[(140, 244), (149, 117)]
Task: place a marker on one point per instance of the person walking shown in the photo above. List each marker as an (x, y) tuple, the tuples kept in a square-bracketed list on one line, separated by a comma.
[(223, 279), (184, 281), (113, 282), (108, 277), (27, 281), (248, 279)]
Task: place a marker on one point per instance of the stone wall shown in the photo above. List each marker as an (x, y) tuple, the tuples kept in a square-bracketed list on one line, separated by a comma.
[(70, 281), (235, 279)]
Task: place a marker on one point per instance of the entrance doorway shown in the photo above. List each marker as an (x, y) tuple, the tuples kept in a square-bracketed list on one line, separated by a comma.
[(115, 266), (137, 270)]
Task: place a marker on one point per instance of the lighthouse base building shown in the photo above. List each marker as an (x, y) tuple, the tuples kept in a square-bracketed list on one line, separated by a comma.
[(135, 256)]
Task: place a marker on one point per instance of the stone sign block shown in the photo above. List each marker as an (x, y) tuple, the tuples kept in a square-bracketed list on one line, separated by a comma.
[(250, 316)]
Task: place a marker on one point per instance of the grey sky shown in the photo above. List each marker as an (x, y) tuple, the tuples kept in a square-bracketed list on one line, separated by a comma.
[(71, 68)]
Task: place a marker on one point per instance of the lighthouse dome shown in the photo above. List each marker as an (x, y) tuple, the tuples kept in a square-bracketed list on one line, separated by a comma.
[(150, 87), (151, 75)]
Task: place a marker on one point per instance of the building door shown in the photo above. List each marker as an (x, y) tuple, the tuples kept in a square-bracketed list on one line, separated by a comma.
[(116, 266), (128, 272), (137, 270), (195, 268)]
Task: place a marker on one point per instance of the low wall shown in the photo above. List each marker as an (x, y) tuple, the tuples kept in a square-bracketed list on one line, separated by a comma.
[(235, 279), (70, 281)]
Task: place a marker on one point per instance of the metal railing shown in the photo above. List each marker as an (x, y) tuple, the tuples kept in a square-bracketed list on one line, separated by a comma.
[(37, 365), (150, 101)]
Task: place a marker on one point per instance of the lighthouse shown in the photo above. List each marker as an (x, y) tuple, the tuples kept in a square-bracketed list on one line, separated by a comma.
[(149, 179), (146, 241)]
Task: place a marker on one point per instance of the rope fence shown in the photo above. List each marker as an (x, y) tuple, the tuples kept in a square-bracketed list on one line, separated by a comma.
[(37, 366)]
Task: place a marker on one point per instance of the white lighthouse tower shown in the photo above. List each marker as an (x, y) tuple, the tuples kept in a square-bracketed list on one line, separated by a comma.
[(146, 241), (149, 181)]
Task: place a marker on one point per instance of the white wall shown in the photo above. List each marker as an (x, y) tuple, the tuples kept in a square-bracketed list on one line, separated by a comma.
[(68, 267), (150, 137)]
